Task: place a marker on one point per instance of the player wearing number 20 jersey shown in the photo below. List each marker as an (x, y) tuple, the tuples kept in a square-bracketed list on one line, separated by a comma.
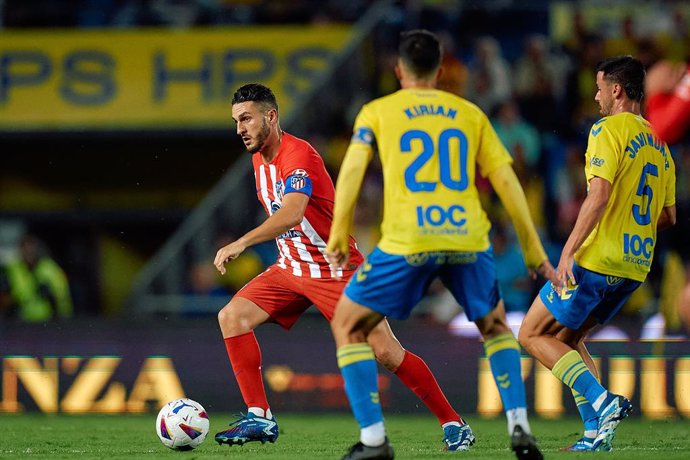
[(623, 150), (429, 142), (431, 145)]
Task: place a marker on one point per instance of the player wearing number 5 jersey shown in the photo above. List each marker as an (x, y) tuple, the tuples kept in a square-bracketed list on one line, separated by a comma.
[(431, 143), (631, 195)]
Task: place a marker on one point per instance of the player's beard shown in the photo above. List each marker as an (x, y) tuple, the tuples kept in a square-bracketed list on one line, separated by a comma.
[(260, 138), (605, 108)]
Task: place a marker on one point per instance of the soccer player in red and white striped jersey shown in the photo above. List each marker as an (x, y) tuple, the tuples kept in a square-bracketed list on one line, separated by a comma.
[(297, 193), (297, 167)]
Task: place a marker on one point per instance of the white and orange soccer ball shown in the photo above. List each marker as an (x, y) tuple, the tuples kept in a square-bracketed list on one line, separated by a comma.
[(182, 424)]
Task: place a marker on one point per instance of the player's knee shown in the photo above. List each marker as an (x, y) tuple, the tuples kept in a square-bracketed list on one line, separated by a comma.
[(523, 338), (224, 315), (493, 324), (231, 323), (386, 357)]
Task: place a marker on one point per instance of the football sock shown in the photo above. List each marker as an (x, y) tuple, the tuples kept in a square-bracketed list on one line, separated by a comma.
[(358, 367), (373, 435), (245, 358), (417, 376), (590, 420), (454, 423), (572, 371), (503, 352), (259, 412), (518, 416)]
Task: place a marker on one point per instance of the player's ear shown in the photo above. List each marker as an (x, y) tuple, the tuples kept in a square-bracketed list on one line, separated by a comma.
[(398, 71), (439, 73), (272, 115)]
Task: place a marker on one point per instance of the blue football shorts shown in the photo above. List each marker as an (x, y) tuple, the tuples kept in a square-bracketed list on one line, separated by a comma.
[(393, 284), (597, 295)]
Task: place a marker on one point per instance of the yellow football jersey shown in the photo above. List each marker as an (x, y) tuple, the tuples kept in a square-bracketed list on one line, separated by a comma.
[(623, 150), (431, 144)]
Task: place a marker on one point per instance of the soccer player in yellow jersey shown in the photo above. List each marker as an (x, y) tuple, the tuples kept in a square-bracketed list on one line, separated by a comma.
[(631, 195), (431, 143)]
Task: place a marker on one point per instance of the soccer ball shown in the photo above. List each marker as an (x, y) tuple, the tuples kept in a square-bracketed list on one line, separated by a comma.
[(182, 424)]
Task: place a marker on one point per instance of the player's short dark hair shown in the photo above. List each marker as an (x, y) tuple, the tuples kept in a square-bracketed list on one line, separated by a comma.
[(420, 51), (626, 71), (255, 92)]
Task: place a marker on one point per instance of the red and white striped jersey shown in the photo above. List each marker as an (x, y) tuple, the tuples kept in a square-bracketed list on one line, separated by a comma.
[(298, 168)]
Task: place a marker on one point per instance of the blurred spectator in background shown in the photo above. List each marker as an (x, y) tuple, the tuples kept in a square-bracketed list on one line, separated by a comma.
[(626, 41), (5, 295), (489, 81), (675, 40), (245, 267), (581, 88), (517, 288), (523, 142), (536, 79), (455, 73), (205, 293), (38, 286), (570, 187), (519, 136)]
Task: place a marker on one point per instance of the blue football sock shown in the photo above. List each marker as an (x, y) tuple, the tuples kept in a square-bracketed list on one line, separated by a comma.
[(589, 417), (503, 352), (358, 367), (573, 371)]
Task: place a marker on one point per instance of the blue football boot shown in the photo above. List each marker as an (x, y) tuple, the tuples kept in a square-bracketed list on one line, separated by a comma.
[(615, 411), (249, 428), (458, 437), (584, 444)]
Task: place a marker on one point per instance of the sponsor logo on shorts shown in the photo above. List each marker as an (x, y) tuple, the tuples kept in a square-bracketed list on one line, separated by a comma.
[(417, 260), (613, 280)]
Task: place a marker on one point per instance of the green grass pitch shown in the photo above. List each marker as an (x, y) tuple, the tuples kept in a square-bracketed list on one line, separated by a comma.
[(302, 437)]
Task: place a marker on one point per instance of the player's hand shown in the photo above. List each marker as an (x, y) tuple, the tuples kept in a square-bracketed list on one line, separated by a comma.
[(545, 269), (228, 253), (564, 273), (338, 251)]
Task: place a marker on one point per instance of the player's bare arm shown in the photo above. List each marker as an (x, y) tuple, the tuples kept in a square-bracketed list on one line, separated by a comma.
[(347, 190), (663, 77), (510, 192), (590, 214), (289, 215), (667, 218)]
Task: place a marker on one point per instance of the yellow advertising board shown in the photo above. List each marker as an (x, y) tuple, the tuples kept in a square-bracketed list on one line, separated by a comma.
[(152, 78)]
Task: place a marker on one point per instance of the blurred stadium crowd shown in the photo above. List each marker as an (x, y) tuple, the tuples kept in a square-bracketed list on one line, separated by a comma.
[(533, 78)]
